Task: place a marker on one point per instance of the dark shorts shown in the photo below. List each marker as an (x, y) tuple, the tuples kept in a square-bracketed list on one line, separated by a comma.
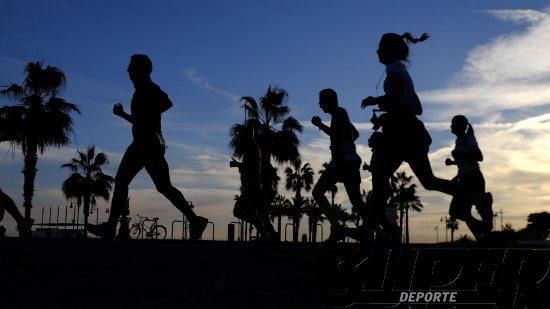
[(405, 137), (474, 182), (343, 171)]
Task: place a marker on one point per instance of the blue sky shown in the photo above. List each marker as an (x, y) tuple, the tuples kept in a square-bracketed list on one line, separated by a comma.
[(206, 54)]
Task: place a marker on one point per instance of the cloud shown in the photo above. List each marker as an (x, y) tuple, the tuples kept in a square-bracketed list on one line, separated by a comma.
[(204, 83), (510, 72), (518, 16)]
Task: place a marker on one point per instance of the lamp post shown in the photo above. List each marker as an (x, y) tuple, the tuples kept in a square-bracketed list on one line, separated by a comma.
[(436, 228)]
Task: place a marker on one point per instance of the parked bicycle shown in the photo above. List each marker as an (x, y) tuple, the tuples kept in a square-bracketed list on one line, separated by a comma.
[(143, 229)]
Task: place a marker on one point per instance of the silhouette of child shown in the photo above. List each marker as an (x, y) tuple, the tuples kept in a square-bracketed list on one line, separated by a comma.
[(466, 156), (405, 136), (345, 164), (146, 150)]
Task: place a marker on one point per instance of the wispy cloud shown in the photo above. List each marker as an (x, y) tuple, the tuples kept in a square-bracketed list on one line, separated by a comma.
[(518, 16), (510, 72), (204, 83)]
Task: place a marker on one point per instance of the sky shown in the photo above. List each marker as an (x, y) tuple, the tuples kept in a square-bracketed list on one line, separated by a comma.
[(488, 60)]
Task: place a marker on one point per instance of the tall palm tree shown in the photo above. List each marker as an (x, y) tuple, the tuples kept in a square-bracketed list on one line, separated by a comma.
[(405, 198), (301, 177), (452, 225), (315, 215), (87, 182), (46, 119), (279, 207), (269, 130)]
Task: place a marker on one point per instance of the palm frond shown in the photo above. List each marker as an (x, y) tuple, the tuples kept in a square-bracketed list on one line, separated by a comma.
[(59, 105), (290, 123), (13, 91)]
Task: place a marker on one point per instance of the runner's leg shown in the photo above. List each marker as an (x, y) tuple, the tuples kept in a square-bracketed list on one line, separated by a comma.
[(423, 170), (7, 204), (157, 167), (325, 182), (132, 162)]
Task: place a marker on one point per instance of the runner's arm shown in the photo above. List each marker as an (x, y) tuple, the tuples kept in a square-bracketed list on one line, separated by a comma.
[(165, 103), (118, 110)]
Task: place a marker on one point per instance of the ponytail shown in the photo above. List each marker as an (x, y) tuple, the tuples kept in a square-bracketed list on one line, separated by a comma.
[(410, 39), (470, 130), (396, 47)]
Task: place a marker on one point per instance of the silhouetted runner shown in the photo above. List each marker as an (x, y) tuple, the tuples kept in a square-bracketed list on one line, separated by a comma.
[(405, 136), (147, 150), (248, 206), (466, 156), (344, 165), (9, 130)]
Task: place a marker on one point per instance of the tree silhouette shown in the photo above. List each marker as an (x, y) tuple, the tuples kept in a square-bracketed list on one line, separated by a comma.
[(301, 177), (315, 215), (46, 119), (538, 226), (271, 132), (343, 215), (333, 189), (452, 225), (87, 182), (404, 198), (279, 207)]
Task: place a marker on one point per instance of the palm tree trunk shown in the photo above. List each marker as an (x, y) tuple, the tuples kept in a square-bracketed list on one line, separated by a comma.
[(86, 212), (407, 226), (29, 174), (314, 231), (279, 226), (296, 218), (401, 214), (297, 230)]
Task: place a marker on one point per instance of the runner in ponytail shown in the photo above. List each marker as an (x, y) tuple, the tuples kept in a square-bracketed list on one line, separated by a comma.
[(466, 156), (405, 136)]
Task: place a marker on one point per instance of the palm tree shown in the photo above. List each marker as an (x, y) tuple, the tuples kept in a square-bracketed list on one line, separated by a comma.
[(46, 119), (301, 177), (272, 133), (315, 215), (404, 198), (87, 182), (343, 215), (279, 207), (452, 225)]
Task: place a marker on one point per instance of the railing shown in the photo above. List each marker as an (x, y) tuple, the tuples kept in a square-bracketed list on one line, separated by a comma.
[(74, 223), (184, 230), (210, 222), (240, 227)]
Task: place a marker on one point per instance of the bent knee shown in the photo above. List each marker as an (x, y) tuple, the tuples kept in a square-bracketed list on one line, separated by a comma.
[(164, 188)]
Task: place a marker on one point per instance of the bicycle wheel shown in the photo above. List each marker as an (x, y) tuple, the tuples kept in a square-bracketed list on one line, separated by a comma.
[(135, 232), (160, 232)]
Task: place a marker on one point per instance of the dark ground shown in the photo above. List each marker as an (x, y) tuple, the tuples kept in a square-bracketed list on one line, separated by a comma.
[(180, 274)]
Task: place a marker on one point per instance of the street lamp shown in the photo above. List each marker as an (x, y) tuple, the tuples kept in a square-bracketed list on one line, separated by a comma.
[(436, 228)]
